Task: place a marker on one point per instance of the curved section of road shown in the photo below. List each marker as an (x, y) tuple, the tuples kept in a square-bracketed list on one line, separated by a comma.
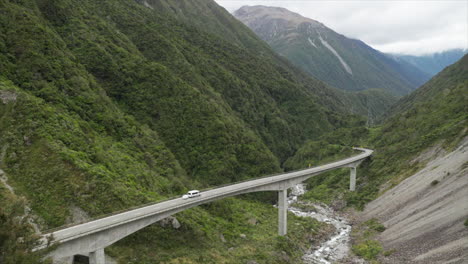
[(166, 208)]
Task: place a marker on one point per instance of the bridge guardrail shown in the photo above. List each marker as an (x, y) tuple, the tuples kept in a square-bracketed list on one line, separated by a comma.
[(51, 230)]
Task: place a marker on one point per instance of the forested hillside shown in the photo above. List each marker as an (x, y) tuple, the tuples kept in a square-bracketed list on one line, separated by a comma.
[(111, 104), (414, 181), (435, 114)]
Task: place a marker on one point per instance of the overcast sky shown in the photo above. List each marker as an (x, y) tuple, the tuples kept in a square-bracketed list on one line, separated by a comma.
[(409, 27)]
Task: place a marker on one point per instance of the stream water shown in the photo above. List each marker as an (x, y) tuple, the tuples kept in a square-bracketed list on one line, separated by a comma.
[(337, 247)]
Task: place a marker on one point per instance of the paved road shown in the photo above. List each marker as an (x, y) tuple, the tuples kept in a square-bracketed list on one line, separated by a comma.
[(73, 232)]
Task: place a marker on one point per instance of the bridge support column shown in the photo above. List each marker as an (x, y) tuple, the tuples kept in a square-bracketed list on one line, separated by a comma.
[(282, 212), (352, 179), (66, 260), (97, 257)]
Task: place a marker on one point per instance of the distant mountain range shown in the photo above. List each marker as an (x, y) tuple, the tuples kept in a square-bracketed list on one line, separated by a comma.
[(433, 63), (345, 63)]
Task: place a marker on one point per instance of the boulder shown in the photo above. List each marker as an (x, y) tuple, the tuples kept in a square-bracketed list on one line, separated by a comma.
[(221, 236), (170, 222), (175, 223), (252, 221)]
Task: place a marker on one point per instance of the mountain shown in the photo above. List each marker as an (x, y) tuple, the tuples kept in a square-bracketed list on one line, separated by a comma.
[(432, 63), (421, 170), (413, 189), (434, 115), (105, 105), (342, 62)]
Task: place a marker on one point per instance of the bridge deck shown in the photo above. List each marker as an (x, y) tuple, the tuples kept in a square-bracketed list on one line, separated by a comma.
[(73, 232)]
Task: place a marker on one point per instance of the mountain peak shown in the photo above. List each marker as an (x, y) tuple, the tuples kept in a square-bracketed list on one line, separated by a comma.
[(251, 15), (345, 63)]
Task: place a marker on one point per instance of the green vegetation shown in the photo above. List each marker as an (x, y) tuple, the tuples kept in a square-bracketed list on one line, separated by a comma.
[(364, 243), (368, 249), (16, 235), (68, 161), (199, 238), (107, 105), (375, 104), (434, 115), (330, 147), (375, 225), (466, 223)]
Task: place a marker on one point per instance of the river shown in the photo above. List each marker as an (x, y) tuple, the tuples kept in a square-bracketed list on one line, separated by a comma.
[(337, 247)]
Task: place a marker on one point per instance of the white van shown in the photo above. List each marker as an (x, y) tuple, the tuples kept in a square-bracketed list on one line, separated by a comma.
[(191, 194)]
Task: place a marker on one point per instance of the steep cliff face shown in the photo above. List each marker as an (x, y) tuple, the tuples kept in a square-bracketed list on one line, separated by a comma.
[(345, 63)]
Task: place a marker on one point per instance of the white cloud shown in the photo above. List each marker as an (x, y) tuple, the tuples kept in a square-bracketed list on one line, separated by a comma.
[(410, 27)]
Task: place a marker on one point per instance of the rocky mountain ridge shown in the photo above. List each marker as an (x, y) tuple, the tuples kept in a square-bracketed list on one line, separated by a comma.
[(345, 63)]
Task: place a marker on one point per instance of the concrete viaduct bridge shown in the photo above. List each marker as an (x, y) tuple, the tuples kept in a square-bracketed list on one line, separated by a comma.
[(90, 239)]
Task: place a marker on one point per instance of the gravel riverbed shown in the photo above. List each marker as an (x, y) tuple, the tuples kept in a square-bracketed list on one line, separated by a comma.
[(334, 249)]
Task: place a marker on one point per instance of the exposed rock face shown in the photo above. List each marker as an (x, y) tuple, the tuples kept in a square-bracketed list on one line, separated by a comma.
[(221, 236), (170, 221), (424, 215), (343, 62), (28, 215), (279, 20), (77, 215), (253, 221), (7, 96), (175, 223)]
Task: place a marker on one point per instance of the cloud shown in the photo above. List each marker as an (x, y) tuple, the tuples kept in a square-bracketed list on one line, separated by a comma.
[(409, 27)]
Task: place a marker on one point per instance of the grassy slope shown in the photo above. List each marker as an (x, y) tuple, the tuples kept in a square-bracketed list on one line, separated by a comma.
[(103, 118)]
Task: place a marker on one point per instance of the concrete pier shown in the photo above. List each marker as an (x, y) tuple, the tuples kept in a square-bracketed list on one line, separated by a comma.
[(352, 179), (92, 237), (282, 212), (97, 257)]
